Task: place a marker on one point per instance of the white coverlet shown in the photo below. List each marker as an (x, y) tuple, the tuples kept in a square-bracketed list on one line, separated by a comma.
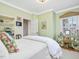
[(29, 49), (53, 46)]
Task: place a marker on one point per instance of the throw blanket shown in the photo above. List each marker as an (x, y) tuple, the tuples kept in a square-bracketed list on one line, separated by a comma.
[(54, 48)]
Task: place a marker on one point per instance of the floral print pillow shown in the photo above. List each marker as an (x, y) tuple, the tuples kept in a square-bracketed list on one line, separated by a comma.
[(9, 43)]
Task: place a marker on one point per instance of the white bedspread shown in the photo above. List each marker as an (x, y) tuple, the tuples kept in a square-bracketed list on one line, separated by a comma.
[(27, 50), (53, 46)]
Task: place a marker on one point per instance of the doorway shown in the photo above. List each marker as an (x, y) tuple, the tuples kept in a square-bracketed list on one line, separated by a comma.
[(25, 27)]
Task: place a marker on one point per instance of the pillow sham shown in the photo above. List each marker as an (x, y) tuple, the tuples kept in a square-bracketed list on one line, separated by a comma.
[(8, 42)]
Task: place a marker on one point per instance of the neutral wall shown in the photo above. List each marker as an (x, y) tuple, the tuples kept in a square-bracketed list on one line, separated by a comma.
[(49, 18)]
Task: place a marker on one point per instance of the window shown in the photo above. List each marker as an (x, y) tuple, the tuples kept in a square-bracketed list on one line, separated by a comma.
[(70, 25)]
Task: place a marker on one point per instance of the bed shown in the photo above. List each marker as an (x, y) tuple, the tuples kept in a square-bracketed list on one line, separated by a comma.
[(29, 49)]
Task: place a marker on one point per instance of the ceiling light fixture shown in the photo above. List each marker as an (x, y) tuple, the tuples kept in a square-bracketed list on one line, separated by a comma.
[(42, 1)]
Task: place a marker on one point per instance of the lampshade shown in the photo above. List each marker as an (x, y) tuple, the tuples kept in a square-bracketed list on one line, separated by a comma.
[(42, 1), (67, 32)]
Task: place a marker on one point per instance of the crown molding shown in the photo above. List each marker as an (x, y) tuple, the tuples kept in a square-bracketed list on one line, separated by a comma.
[(13, 6), (68, 9), (35, 13), (45, 11)]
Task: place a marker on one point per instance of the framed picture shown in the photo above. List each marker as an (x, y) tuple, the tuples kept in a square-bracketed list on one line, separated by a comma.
[(43, 25)]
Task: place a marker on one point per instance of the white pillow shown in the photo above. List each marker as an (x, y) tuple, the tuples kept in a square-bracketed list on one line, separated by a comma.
[(3, 51)]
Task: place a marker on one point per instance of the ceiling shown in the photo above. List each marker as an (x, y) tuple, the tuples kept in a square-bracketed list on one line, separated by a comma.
[(33, 6)]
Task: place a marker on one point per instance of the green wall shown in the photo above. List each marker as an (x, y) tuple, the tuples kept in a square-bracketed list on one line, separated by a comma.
[(7, 10), (58, 23), (49, 19)]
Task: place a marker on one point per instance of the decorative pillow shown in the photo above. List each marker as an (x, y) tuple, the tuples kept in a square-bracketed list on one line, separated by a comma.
[(8, 42)]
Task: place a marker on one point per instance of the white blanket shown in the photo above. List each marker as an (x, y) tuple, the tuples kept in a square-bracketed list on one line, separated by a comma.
[(53, 46)]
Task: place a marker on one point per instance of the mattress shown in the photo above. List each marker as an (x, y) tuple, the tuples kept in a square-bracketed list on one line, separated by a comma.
[(29, 49)]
